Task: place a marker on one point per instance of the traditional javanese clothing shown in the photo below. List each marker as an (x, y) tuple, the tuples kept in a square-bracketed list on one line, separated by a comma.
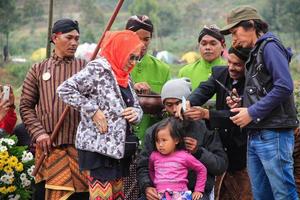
[(40, 109), (199, 71), (156, 74), (105, 85)]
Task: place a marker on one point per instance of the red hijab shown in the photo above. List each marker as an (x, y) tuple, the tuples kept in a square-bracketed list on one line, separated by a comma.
[(116, 48)]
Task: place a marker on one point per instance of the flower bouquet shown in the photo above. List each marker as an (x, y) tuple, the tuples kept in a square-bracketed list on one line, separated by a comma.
[(16, 166)]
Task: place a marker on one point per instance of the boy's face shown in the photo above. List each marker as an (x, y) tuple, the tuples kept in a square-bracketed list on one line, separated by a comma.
[(165, 144), (171, 105)]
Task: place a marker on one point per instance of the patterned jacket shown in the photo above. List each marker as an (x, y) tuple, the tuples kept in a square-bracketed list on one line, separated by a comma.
[(93, 88)]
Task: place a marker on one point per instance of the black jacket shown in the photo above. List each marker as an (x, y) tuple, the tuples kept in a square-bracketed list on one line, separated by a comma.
[(233, 138), (210, 153), (260, 82)]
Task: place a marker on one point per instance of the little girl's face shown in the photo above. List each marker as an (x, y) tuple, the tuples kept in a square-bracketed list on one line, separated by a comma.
[(165, 144)]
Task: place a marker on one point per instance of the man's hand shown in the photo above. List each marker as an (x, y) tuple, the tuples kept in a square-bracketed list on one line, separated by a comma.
[(179, 110), (191, 144), (196, 113), (100, 121), (151, 193), (130, 114), (242, 118), (237, 101), (43, 141), (142, 87)]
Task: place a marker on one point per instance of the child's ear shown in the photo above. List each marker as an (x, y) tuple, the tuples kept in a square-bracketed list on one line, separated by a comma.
[(177, 141)]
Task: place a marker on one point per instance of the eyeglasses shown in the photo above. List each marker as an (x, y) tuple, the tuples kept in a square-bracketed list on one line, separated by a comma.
[(134, 58)]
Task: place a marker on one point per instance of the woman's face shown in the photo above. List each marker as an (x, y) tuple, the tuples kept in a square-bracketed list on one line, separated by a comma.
[(133, 58)]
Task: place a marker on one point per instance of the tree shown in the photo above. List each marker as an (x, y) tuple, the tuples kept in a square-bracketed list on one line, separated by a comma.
[(169, 20), (9, 16), (145, 7)]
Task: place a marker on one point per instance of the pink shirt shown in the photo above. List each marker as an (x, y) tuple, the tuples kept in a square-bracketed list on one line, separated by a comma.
[(170, 171)]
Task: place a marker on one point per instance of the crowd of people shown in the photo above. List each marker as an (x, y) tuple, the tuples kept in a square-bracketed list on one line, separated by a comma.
[(241, 149)]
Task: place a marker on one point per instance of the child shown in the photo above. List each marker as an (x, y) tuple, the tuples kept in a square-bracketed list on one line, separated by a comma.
[(169, 164)]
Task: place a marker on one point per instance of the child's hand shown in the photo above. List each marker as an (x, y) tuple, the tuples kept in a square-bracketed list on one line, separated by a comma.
[(197, 195)]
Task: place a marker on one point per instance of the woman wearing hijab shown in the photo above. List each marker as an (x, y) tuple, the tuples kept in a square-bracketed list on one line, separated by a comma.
[(103, 93)]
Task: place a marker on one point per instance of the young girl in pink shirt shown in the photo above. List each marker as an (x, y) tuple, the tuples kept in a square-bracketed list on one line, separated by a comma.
[(169, 164)]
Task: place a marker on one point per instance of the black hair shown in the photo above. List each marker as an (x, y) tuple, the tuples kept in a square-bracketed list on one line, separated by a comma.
[(176, 131), (259, 25)]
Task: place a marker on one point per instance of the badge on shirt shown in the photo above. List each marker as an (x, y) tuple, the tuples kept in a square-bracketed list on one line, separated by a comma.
[(46, 76)]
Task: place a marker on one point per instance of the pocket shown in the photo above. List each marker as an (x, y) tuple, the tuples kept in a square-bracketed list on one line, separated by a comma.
[(267, 135)]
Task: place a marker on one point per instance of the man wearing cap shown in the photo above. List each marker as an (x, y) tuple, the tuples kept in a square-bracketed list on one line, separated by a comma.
[(150, 74), (40, 109), (202, 143), (268, 111), (235, 183), (211, 46)]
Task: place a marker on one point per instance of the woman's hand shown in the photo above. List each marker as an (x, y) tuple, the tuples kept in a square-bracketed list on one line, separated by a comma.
[(130, 114), (197, 195), (100, 121), (4, 107)]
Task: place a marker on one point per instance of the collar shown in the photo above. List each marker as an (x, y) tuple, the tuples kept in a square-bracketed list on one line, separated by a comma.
[(59, 60)]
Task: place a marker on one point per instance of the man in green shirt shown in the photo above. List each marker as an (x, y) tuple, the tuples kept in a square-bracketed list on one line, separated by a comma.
[(211, 47), (149, 74)]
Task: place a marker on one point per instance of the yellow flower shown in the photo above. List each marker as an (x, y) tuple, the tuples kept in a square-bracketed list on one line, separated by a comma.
[(3, 190), (8, 169), (11, 189), (4, 154), (1, 166), (13, 160), (19, 167)]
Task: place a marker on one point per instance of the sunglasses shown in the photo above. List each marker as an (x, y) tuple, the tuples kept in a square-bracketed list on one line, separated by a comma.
[(134, 58)]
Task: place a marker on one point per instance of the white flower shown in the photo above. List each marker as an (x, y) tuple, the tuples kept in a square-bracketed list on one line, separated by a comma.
[(3, 148), (23, 177), (30, 170), (10, 141), (26, 156), (5, 179), (11, 197), (26, 182)]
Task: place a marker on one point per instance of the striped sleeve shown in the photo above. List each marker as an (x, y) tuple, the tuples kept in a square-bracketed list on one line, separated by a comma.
[(28, 102)]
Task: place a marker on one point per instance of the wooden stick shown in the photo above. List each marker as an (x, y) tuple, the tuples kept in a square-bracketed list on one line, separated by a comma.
[(66, 110)]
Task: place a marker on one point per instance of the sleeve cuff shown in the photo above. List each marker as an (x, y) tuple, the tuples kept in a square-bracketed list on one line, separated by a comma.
[(253, 114)]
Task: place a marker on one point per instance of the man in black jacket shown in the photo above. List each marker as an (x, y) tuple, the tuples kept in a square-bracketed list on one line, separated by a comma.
[(205, 145), (235, 183)]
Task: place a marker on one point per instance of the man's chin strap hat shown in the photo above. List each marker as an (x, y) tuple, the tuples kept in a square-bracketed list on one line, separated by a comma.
[(64, 26), (176, 88), (239, 14), (212, 30), (137, 22)]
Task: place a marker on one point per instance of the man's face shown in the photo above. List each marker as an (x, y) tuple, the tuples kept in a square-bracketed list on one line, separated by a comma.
[(171, 105), (236, 67), (66, 43), (210, 48), (243, 38), (145, 37)]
